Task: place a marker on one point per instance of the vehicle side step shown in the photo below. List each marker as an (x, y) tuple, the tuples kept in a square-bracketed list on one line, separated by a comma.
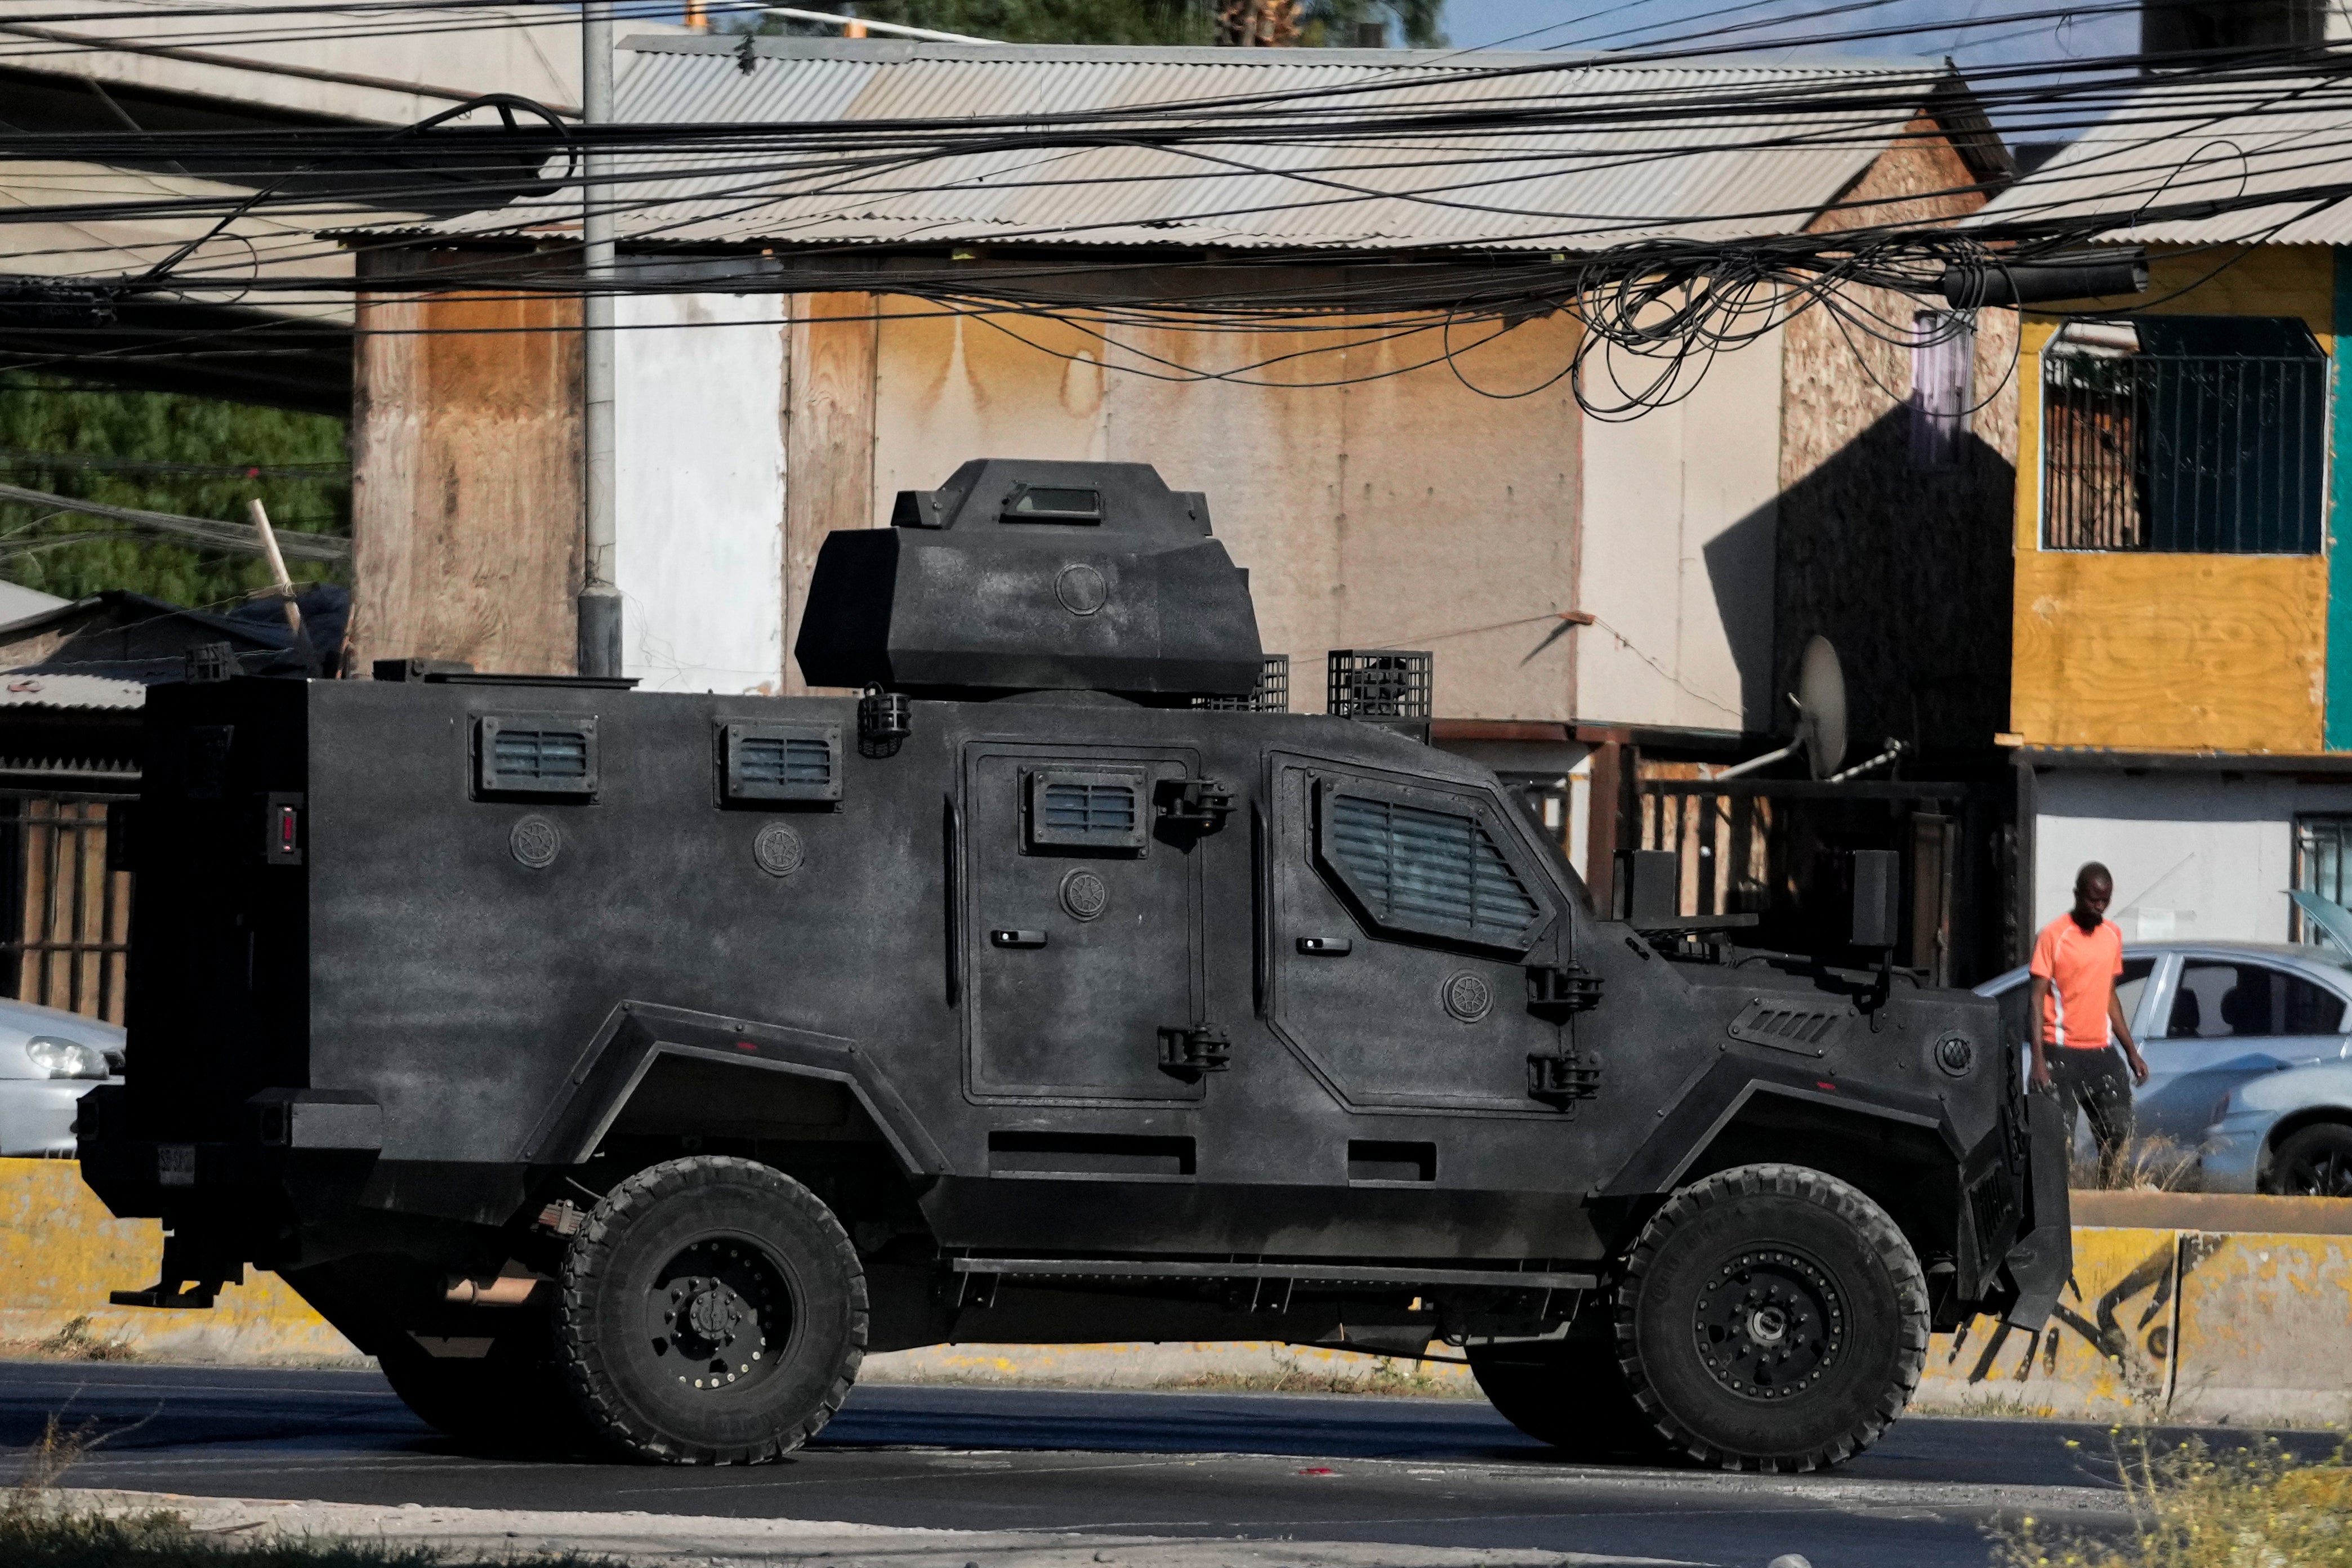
[(1316, 1273)]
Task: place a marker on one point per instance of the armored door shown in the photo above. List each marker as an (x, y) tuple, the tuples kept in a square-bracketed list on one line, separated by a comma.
[(1403, 918), (1082, 923)]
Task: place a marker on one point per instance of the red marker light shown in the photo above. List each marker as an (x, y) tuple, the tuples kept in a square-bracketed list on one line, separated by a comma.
[(745, 1045), (1318, 1471), (1824, 1083)]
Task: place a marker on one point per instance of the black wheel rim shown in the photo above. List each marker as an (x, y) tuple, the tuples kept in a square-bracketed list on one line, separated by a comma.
[(1769, 1324), (718, 1317), (2324, 1173)]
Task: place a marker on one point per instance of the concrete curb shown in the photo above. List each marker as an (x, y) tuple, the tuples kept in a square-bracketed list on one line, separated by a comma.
[(2171, 1321), (497, 1534)]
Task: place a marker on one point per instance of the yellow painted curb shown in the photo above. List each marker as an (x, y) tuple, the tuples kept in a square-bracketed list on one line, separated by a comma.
[(2158, 1322), (61, 1252)]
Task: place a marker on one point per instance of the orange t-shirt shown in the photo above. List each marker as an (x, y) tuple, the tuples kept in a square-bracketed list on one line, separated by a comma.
[(2081, 966)]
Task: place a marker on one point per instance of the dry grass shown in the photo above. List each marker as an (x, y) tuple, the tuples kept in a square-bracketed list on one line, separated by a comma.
[(2197, 1506), (2148, 1165), (78, 1340), (1388, 1375), (41, 1528), (39, 1535)]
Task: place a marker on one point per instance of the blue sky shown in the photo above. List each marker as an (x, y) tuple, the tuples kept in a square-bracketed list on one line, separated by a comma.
[(2099, 28)]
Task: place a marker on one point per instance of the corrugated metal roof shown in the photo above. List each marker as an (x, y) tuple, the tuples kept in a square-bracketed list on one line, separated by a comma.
[(2177, 142), (1682, 169), (29, 691)]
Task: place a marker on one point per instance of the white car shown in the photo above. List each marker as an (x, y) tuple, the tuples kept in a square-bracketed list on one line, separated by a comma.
[(48, 1060)]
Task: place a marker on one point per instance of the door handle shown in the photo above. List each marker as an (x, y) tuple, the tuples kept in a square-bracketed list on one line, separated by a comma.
[(1326, 946), (1016, 938)]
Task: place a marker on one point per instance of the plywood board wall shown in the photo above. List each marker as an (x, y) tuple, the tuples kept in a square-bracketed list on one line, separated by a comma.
[(466, 492)]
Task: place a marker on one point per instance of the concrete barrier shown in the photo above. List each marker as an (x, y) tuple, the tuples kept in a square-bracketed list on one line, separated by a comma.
[(2175, 1313), (61, 1253), (2183, 1306)]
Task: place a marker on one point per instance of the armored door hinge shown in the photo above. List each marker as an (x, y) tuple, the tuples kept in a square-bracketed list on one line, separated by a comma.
[(1558, 1078), (1555, 992), (1191, 1052), (1196, 802)]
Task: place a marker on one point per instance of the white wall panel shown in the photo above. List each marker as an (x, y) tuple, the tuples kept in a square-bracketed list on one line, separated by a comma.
[(2195, 856), (1678, 541), (702, 492)]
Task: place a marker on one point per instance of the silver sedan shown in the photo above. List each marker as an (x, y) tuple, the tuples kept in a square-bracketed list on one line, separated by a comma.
[(2212, 1018), (48, 1060)]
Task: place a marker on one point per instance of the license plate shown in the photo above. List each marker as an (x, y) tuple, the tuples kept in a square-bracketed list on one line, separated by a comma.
[(175, 1164)]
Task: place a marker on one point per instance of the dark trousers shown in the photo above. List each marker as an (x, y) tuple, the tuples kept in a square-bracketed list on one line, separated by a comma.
[(2098, 1084)]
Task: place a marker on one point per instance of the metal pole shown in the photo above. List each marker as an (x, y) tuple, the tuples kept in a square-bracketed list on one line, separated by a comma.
[(599, 600)]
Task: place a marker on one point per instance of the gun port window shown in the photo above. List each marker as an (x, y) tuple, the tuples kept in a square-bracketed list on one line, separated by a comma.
[(783, 761), (536, 754), (1040, 503), (1429, 872), (1072, 809)]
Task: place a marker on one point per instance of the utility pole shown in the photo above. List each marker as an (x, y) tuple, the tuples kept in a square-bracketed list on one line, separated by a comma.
[(600, 600)]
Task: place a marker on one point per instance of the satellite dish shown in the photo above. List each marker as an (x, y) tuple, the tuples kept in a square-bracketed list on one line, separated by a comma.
[(1820, 702), (1820, 708)]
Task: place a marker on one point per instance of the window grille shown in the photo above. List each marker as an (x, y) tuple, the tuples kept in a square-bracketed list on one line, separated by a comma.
[(1943, 359), (537, 753), (783, 761), (1378, 683), (71, 930), (1437, 874), (1089, 809), (1272, 696), (2187, 434)]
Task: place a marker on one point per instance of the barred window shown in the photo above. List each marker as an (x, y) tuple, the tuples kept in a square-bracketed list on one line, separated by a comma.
[(2184, 433)]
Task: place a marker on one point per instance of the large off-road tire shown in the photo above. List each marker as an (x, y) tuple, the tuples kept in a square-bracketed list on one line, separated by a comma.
[(712, 1312), (513, 1401), (1570, 1394), (1771, 1318), (500, 1391), (2312, 1162)]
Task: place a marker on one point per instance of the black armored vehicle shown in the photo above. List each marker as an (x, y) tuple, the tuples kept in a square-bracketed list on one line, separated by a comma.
[(619, 1068)]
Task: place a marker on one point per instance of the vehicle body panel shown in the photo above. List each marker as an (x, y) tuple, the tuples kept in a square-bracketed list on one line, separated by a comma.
[(2236, 1149)]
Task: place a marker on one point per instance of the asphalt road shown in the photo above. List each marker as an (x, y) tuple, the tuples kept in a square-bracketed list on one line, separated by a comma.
[(1433, 1471)]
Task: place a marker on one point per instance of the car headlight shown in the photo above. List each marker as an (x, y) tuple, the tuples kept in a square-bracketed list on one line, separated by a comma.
[(65, 1058)]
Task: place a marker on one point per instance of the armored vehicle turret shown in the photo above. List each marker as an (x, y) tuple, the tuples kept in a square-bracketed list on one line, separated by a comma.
[(619, 1068)]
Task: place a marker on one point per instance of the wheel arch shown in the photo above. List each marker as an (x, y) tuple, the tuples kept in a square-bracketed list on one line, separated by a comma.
[(629, 1076), (1907, 1165), (2292, 1122)]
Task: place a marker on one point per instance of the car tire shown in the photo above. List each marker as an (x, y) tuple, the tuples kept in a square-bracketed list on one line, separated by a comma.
[(1572, 1395), (712, 1312), (1771, 1318), (2312, 1162)]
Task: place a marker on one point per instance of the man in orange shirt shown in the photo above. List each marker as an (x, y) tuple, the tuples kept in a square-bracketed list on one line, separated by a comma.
[(2076, 960)]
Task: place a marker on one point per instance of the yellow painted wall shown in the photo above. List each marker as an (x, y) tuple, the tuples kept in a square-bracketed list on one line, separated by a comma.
[(2172, 652)]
